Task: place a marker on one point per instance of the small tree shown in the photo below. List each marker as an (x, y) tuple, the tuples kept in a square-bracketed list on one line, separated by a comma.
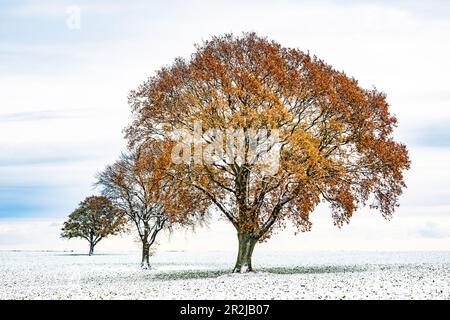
[(150, 198), (94, 219)]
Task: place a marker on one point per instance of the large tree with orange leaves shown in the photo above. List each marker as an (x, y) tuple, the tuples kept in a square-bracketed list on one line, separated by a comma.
[(334, 141)]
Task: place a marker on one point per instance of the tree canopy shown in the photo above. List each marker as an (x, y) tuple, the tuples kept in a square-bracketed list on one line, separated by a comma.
[(95, 219), (335, 139)]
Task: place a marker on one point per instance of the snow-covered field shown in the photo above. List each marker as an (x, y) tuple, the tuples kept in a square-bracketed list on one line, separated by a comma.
[(183, 275)]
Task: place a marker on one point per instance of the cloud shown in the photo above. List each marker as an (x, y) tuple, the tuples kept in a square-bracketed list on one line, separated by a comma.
[(436, 135), (29, 200), (47, 159), (52, 153), (434, 9), (433, 230), (38, 115), (45, 9), (53, 9)]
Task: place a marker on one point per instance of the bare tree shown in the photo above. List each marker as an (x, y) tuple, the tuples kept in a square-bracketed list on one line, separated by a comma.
[(135, 184)]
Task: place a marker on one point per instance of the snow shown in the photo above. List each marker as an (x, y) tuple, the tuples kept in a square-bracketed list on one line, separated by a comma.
[(206, 275)]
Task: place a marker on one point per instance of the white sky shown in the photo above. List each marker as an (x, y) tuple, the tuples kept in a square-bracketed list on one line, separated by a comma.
[(63, 104)]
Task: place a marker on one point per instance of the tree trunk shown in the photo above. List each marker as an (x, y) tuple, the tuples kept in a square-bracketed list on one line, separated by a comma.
[(244, 258), (91, 248), (145, 263)]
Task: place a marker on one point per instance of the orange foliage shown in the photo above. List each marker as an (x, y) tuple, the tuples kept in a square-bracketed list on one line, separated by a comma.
[(336, 137)]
